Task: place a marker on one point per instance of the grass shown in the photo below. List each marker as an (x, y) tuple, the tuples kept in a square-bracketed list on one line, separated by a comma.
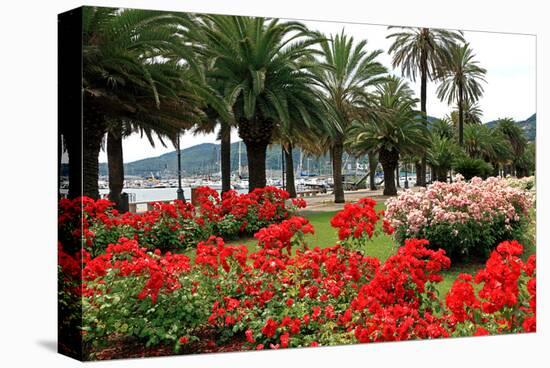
[(381, 246)]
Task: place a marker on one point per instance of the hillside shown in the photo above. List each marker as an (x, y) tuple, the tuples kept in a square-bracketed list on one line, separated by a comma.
[(528, 125), (204, 157)]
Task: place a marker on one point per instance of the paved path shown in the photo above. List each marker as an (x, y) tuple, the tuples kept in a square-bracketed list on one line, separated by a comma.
[(325, 202)]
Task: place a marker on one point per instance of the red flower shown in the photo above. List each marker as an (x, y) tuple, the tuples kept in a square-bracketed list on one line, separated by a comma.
[(461, 298), (329, 311), (480, 331), (284, 340), (270, 328), (356, 219), (249, 336), (183, 340), (530, 324)]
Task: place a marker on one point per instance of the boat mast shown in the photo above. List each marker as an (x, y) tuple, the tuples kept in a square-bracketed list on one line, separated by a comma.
[(301, 159), (240, 159)]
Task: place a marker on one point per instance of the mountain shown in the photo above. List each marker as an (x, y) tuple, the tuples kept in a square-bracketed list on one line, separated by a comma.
[(204, 158), (529, 127)]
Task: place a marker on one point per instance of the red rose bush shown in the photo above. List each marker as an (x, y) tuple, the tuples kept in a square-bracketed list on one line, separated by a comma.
[(284, 293), (173, 226)]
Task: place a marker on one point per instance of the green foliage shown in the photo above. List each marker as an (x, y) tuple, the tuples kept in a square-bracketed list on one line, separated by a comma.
[(471, 240), (172, 315), (462, 76), (472, 114), (441, 155), (528, 126), (347, 70), (227, 227), (414, 46), (133, 70), (461, 82), (263, 73), (470, 167), (396, 126), (486, 143), (442, 128), (526, 163)]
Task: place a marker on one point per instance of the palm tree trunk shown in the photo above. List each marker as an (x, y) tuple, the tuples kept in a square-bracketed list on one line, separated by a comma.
[(290, 184), (460, 116), (115, 164), (418, 169), (225, 133), (94, 129), (442, 175), (496, 169), (256, 153), (373, 162), (256, 134), (337, 152), (388, 160), (397, 176), (90, 167), (423, 109)]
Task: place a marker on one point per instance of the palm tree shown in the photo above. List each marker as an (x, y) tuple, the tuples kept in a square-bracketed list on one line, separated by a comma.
[(345, 73), (515, 137), (422, 52), (221, 86), (476, 141), (258, 59), (179, 94), (443, 128), (300, 129), (122, 78), (488, 144), (214, 121), (472, 114), (397, 129), (461, 82), (440, 155), (525, 164)]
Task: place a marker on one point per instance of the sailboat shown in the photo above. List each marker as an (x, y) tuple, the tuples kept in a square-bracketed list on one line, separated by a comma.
[(240, 183)]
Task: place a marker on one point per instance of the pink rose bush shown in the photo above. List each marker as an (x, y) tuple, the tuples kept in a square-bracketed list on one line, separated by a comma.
[(464, 218), (525, 183)]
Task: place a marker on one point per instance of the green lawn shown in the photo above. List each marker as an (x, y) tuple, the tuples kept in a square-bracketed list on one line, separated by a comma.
[(381, 246)]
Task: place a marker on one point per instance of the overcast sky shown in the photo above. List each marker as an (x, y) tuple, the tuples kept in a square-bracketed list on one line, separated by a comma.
[(510, 61)]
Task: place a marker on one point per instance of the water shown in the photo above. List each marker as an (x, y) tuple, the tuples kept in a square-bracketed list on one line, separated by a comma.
[(151, 194), (155, 194)]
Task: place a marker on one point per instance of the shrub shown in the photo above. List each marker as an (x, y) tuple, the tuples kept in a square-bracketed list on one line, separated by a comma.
[(506, 301), (132, 292), (465, 219), (356, 223), (175, 226), (471, 167), (525, 183), (270, 299), (285, 294)]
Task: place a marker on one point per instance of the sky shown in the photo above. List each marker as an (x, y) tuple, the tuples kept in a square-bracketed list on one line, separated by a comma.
[(510, 91)]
